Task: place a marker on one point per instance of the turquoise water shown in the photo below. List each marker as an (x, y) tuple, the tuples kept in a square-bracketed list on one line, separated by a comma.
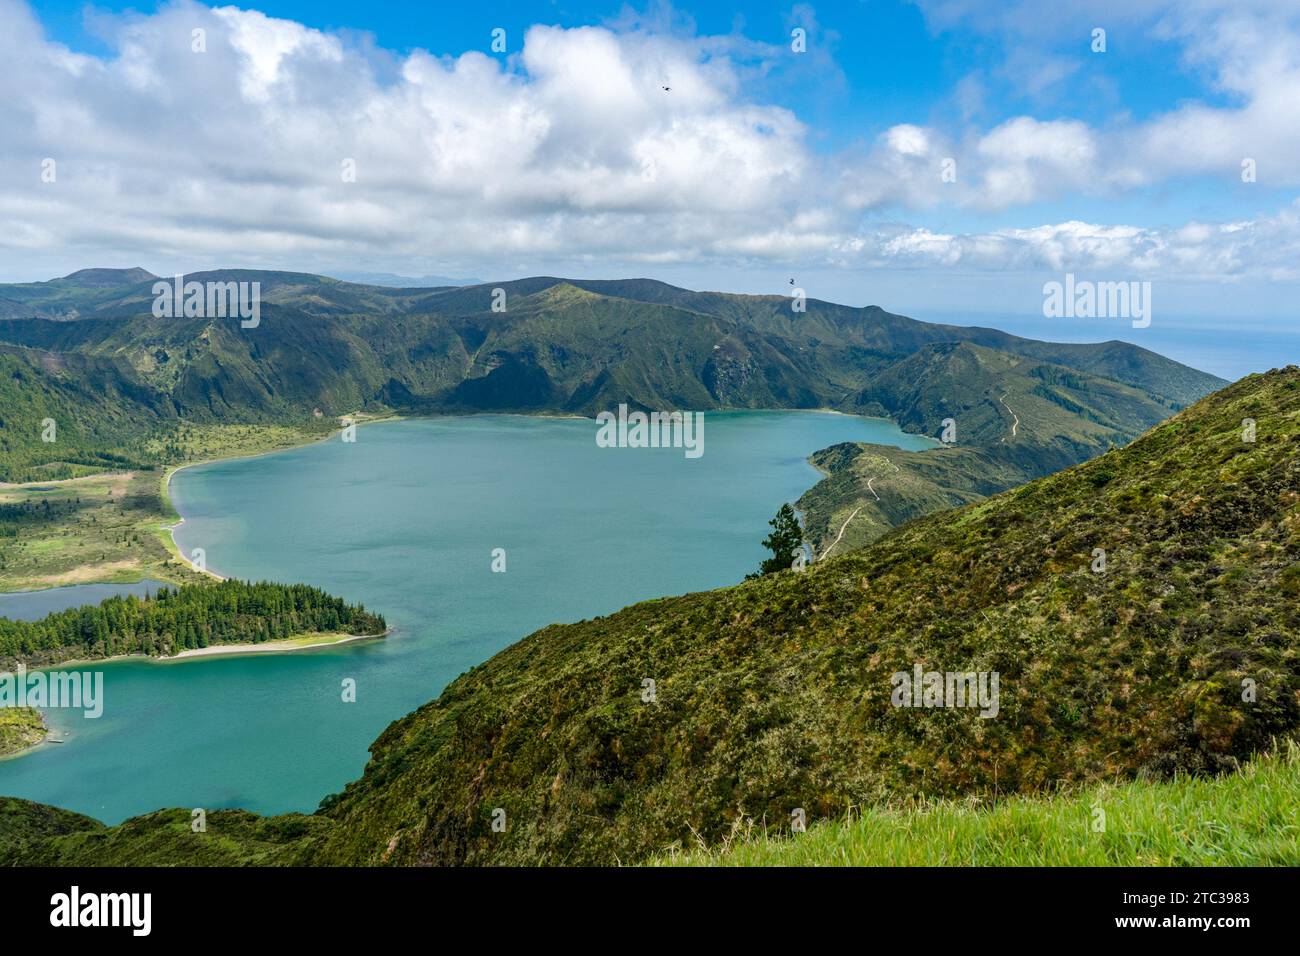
[(34, 605), (405, 520)]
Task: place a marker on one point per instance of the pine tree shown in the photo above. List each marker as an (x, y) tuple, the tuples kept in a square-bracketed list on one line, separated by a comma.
[(785, 542)]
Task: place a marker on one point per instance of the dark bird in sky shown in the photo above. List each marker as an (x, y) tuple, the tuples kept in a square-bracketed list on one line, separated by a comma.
[(667, 89)]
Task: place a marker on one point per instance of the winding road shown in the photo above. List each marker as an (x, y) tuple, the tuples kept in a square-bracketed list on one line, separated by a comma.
[(843, 526), (1015, 424), (840, 536)]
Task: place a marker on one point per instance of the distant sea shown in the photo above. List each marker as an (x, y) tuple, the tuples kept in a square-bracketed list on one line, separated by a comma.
[(1229, 349)]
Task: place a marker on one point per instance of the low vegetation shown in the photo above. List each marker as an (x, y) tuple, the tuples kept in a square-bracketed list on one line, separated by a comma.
[(1245, 818), (32, 834), (1010, 419), (20, 729), (112, 527)]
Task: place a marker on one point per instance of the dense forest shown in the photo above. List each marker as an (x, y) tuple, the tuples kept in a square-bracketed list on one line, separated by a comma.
[(177, 619)]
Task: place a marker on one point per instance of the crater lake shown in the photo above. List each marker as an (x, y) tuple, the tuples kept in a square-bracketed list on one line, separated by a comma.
[(406, 520)]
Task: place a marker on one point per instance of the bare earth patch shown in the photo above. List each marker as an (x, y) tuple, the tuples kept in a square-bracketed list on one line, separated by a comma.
[(88, 574)]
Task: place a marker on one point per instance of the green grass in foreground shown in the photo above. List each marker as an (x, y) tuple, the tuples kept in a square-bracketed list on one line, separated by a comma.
[(1249, 818)]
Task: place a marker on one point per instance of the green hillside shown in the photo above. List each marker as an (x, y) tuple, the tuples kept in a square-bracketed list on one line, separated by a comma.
[(776, 694), (870, 489), (32, 834), (1182, 657), (1015, 418), (1246, 818), (559, 345), (68, 414)]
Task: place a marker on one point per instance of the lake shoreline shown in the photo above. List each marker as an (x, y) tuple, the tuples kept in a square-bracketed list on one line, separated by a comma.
[(178, 572), (35, 745), (397, 544), (290, 646), (169, 505)]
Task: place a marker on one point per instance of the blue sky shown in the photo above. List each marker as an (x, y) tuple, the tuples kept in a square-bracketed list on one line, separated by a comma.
[(563, 155)]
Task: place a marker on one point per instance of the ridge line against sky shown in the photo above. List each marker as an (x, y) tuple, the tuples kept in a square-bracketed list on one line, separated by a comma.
[(338, 139)]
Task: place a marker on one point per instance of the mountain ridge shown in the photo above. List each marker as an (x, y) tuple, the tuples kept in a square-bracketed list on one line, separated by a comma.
[(326, 347)]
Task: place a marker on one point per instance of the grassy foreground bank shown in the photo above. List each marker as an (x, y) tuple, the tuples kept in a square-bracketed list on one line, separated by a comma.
[(1248, 818)]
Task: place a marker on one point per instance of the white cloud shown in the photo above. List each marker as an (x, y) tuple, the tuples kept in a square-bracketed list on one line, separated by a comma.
[(239, 150), (1267, 247), (1249, 53), (568, 150)]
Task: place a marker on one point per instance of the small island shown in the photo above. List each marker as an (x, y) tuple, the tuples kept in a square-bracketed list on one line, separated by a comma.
[(190, 620)]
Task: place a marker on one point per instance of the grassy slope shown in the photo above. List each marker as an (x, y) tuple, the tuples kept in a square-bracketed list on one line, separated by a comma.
[(980, 388), (1246, 818), (94, 408), (775, 694), (1017, 419), (32, 834), (869, 489), (26, 826)]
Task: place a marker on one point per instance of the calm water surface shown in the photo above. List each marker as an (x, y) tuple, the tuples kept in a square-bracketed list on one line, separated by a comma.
[(405, 520), (34, 605)]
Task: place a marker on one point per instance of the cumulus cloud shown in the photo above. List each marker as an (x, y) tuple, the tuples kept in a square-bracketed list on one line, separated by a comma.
[(249, 146), (279, 144), (1267, 247), (1249, 54)]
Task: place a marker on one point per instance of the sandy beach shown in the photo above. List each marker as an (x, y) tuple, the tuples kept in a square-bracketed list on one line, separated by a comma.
[(272, 647), (305, 643)]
